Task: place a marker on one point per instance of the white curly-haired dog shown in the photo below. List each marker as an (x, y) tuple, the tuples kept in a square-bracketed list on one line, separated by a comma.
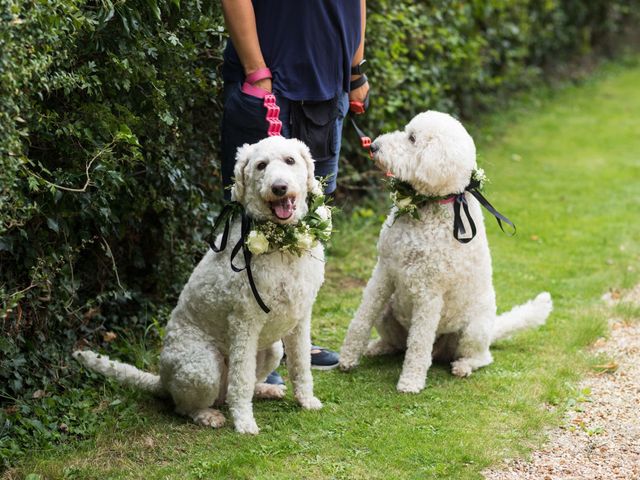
[(219, 344), (428, 288)]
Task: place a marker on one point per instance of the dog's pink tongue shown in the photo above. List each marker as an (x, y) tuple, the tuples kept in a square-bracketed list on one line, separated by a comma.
[(283, 208)]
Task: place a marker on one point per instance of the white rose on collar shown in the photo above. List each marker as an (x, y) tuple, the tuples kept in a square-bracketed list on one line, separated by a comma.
[(323, 212), (304, 241), (257, 242), (403, 202)]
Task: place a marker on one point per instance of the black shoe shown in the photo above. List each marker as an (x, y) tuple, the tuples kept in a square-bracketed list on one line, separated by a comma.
[(323, 359)]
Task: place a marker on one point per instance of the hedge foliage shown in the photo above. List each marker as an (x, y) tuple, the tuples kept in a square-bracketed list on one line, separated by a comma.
[(458, 56), (108, 136), (107, 174)]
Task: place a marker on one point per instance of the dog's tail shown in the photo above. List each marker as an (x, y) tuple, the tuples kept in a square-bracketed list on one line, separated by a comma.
[(122, 372), (521, 317)]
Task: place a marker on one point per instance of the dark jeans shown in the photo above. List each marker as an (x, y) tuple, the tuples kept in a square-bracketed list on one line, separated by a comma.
[(243, 121)]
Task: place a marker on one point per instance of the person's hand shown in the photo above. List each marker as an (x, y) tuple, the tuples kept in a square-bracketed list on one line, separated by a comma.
[(359, 94), (265, 84)]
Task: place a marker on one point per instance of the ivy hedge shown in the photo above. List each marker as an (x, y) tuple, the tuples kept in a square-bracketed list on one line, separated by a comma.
[(108, 162)]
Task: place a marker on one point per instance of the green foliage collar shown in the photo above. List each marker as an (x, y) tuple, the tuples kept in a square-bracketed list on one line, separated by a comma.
[(316, 226), (408, 201)]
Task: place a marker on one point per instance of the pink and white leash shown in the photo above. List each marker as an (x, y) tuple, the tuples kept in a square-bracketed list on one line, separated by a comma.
[(232, 209), (273, 110)]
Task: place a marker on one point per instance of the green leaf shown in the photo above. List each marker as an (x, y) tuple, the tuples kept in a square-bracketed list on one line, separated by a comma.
[(155, 9), (53, 224)]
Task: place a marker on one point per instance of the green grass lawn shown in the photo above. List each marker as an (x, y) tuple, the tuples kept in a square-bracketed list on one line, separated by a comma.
[(565, 167)]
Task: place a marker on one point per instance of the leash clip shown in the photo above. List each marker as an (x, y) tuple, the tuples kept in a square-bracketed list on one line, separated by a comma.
[(365, 140)]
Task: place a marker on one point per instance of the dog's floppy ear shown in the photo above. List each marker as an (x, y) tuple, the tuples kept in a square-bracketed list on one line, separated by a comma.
[(313, 185), (445, 167), (242, 157), (433, 165)]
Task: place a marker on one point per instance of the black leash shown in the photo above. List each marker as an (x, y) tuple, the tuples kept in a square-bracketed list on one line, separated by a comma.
[(461, 201), (365, 140), (226, 216)]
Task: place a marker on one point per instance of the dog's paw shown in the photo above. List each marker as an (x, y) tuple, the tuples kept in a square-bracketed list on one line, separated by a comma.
[(461, 368), (347, 366), (208, 417), (349, 358), (309, 403), (247, 426), (379, 347), (408, 386), (347, 362), (268, 391)]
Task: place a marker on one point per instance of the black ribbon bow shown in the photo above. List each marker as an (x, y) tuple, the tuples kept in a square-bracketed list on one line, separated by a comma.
[(226, 216), (461, 201)]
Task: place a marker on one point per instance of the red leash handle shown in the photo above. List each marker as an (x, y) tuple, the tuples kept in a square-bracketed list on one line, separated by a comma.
[(273, 110), (248, 86), (357, 107), (258, 75)]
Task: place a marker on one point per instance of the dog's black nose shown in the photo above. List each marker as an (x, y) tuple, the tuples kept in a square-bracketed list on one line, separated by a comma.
[(374, 147), (279, 189)]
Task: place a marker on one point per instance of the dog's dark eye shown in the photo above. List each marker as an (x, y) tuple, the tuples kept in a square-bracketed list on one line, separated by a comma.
[(261, 165), (412, 138), (289, 161)]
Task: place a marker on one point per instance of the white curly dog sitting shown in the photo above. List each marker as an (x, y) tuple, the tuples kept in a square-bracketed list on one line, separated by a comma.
[(219, 343), (427, 287)]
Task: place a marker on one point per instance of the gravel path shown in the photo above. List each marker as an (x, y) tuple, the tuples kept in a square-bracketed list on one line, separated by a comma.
[(601, 436)]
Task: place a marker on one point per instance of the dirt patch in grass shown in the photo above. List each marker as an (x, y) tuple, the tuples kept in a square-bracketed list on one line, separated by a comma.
[(601, 436)]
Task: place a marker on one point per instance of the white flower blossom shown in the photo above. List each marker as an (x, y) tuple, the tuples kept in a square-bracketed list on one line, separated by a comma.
[(316, 188), (323, 212), (403, 202), (257, 242), (304, 241), (479, 176)]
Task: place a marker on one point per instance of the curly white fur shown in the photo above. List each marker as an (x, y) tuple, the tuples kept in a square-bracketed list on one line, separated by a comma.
[(427, 288), (219, 343)]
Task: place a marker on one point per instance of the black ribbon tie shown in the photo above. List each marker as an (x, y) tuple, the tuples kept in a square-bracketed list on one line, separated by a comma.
[(461, 201), (226, 216)]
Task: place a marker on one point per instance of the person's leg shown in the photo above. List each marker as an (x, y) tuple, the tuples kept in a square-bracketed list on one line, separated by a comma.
[(328, 167), (323, 358)]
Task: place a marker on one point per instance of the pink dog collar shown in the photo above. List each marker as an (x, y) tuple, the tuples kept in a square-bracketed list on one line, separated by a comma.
[(450, 199)]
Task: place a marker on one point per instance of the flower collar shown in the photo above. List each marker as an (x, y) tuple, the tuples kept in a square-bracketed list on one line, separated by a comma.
[(408, 201), (257, 238), (316, 226)]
